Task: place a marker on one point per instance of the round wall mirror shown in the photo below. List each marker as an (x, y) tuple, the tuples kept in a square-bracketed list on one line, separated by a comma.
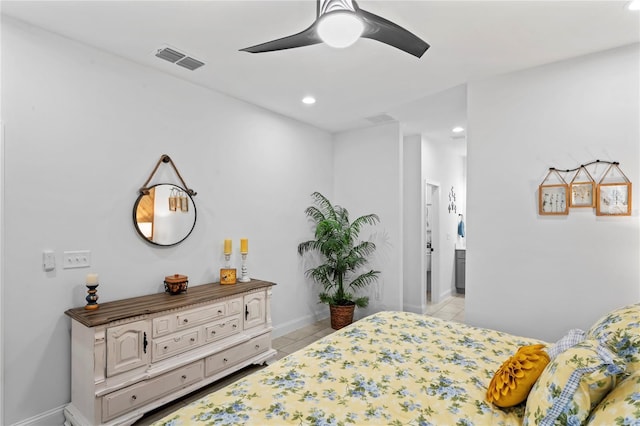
[(164, 216)]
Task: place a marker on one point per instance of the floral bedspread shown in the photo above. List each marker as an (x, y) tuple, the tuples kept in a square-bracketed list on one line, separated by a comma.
[(391, 368)]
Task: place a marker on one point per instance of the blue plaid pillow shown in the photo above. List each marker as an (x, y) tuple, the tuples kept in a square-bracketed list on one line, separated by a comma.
[(573, 337), (572, 384)]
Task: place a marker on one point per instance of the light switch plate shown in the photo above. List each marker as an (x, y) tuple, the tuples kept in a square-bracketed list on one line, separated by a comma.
[(76, 259), (48, 260)]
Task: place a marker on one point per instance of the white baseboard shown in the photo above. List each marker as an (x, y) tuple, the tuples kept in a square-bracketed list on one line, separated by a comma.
[(297, 323), (416, 309), (444, 296), (55, 416)]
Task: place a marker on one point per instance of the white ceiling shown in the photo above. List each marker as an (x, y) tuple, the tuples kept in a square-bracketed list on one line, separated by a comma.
[(470, 40)]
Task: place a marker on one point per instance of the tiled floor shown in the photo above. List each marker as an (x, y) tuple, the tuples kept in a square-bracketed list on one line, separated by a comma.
[(450, 309)]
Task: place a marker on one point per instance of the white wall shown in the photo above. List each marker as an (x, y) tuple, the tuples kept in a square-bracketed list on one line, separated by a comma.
[(540, 276), (2, 268), (83, 131), (368, 179), (442, 164), (413, 265)]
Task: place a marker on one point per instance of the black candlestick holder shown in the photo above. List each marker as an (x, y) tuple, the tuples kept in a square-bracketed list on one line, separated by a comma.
[(92, 297)]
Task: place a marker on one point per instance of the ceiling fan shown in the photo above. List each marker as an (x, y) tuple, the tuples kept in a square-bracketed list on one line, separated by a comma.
[(340, 23)]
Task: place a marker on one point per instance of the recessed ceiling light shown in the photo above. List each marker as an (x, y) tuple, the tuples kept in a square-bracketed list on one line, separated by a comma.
[(309, 100), (457, 129), (634, 5)]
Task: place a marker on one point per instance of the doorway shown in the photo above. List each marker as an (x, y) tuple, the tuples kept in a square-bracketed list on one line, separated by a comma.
[(430, 247)]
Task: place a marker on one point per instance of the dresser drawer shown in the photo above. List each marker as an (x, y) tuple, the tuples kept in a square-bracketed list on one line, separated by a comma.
[(168, 324), (119, 402), (176, 343), (198, 316), (236, 354), (222, 328)]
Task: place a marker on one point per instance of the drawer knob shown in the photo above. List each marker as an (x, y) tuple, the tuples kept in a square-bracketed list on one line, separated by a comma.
[(184, 377), (186, 320), (166, 347), (133, 397), (213, 332), (235, 325), (193, 339), (224, 360), (257, 346)]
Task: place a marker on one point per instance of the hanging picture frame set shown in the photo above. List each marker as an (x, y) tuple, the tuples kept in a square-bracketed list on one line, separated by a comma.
[(614, 193), (609, 196), (582, 189), (552, 194)]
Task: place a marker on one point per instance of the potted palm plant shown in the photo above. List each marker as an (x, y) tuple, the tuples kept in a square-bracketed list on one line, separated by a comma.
[(344, 258)]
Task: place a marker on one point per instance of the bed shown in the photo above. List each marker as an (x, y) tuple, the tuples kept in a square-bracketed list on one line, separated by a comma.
[(399, 368)]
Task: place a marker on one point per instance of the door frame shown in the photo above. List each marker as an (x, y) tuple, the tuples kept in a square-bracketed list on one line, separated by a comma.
[(2, 269), (435, 188)]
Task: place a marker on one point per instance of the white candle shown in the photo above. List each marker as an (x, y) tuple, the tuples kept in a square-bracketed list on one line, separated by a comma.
[(92, 278)]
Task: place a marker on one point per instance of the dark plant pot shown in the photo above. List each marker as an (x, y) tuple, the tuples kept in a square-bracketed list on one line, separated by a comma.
[(341, 315)]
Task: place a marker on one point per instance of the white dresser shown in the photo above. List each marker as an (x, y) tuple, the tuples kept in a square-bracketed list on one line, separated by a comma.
[(133, 355)]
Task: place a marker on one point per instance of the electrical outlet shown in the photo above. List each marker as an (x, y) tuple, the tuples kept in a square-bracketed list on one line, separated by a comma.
[(76, 259)]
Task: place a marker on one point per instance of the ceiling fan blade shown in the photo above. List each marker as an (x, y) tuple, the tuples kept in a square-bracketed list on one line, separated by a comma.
[(307, 37), (382, 30)]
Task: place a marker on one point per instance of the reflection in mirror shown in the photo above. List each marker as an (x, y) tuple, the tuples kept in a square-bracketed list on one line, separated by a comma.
[(165, 215)]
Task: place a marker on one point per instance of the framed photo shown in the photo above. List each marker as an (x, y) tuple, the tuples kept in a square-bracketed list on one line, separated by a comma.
[(614, 199), (552, 199), (582, 194)]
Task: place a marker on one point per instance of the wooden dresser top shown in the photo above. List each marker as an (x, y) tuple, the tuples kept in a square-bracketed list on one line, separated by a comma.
[(153, 303)]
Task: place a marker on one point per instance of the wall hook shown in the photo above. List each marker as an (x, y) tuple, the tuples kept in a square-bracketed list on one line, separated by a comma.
[(164, 158)]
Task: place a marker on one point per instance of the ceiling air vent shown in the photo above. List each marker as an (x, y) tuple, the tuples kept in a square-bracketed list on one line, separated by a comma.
[(169, 54), (190, 63), (381, 118), (178, 58)]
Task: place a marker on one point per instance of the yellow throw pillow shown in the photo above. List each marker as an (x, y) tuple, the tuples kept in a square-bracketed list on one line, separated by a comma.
[(514, 379)]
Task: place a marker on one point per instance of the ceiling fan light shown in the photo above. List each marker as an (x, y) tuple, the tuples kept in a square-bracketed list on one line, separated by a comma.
[(633, 5), (340, 29)]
